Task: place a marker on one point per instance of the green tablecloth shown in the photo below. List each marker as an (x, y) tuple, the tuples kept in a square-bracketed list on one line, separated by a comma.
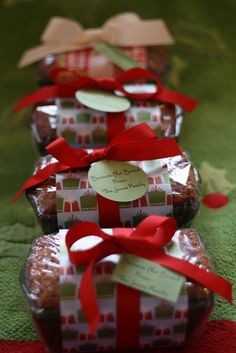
[(203, 66)]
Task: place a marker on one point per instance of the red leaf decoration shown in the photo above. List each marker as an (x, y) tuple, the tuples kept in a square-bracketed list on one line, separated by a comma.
[(215, 200)]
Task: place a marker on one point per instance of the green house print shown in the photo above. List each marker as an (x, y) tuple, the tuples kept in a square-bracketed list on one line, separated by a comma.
[(70, 184), (144, 117), (164, 311), (68, 291), (83, 118), (156, 197)]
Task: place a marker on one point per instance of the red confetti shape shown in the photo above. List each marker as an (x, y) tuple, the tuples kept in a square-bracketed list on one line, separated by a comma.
[(215, 200)]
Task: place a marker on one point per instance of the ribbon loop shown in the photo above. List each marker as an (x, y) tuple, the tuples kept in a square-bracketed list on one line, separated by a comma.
[(118, 83), (60, 30), (157, 230), (134, 75), (63, 152), (82, 230), (148, 233)]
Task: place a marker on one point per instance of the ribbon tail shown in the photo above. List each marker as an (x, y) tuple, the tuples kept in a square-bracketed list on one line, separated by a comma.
[(109, 212), (39, 177), (212, 281), (139, 150), (128, 318), (39, 96), (115, 124), (88, 299), (45, 93), (87, 294), (168, 96), (62, 151)]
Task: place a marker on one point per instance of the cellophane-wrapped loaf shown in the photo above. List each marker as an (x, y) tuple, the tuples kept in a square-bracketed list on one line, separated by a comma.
[(183, 196), (41, 284), (89, 62), (88, 128)]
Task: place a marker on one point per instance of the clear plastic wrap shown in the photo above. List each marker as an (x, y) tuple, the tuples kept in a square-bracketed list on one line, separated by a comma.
[(87, 128), (89, 62), (184, 197), (40, 282)]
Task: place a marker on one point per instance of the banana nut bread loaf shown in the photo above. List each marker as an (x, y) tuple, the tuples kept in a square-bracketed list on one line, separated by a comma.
[(40, 282), (184, 196), (153, 58), (87, 128)]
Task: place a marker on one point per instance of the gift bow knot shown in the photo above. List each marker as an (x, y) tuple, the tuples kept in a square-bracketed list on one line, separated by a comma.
[(120, 30), (146, 241), (124, 30), (137, 143), (161, 94)]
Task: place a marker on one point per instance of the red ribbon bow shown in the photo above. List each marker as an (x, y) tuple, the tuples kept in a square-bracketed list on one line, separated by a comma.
[(146, 241), (137, 143), (110, 84)]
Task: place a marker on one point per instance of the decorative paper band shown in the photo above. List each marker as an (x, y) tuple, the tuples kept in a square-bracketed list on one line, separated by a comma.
[(77, 201), (90, 62), (82, 126)]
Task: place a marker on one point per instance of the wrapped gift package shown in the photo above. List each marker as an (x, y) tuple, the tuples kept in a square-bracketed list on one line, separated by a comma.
[(90, 62), (67, 198), (124, 41), (89, 112), (88, 128), (50, 281)]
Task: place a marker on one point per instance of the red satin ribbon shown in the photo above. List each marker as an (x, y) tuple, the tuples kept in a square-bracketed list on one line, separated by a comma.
[(146, 241), (109, 212), (111, 85), (115, 124), (137, 143), (127, 311), (127, 318)]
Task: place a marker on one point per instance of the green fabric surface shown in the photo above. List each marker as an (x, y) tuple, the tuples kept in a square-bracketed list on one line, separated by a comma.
[(203, 66)]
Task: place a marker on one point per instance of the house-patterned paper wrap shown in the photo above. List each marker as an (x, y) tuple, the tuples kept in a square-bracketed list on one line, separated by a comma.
[(81, 62), (76, 200), (162, 323), (82, 126)]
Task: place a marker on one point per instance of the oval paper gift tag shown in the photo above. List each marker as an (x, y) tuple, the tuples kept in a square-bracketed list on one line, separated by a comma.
[(118, 181), (102, 101)]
